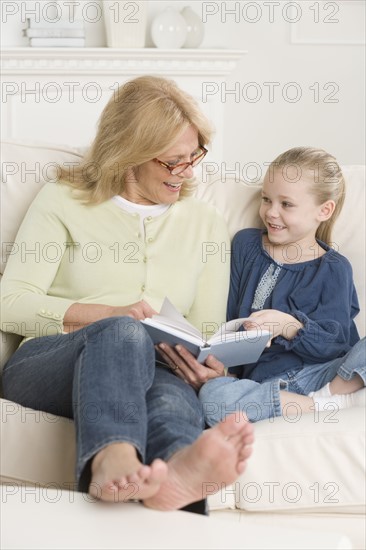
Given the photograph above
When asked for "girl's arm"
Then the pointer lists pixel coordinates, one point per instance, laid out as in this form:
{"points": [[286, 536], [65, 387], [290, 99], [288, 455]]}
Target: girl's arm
{"points": [[319, 325]]}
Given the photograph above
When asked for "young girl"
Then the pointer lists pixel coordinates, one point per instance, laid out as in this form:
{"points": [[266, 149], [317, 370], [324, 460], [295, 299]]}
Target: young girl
{"points": [[288, 279]]}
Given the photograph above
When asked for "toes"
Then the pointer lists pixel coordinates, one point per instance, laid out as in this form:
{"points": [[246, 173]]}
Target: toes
{"points": [[140, 476], [240, 467], [159, 471], [245, 452], [248, 439], [232, 425], [121, 482]]}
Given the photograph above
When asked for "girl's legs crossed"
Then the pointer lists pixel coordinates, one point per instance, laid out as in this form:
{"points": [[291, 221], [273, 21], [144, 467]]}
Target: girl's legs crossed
{"points": [[226, 395], [340, 382], [284, 397]]}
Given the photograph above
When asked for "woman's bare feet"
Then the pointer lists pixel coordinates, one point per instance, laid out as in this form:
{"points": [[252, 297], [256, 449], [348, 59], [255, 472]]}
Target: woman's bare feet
{"points": [[215, 459], [118, 475]]}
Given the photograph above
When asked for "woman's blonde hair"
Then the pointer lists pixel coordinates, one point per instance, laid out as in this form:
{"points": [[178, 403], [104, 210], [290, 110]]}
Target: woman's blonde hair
{"points": [[325, 175], [143, 118]]}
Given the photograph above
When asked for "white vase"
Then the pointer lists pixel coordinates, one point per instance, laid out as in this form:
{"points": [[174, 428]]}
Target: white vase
{"points": [[125, 23], [169, 29], [195, 29]]}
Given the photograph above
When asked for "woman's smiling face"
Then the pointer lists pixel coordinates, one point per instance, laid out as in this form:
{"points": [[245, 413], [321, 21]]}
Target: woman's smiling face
{"points": [[152, 183]]}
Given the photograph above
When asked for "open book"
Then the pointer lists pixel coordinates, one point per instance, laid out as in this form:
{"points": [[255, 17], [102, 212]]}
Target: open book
{"points": [[229, 344]]}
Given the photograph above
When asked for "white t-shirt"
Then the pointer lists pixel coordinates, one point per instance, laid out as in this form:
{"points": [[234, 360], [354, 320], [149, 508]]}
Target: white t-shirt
{"points": [[143, 210]]}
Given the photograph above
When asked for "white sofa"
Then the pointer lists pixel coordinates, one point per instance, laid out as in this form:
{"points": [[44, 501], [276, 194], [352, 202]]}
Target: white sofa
{"points": [[306, 472]]}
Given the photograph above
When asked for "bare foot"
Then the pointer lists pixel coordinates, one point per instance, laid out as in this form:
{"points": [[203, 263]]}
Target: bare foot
{"points": [[118, 475], [215, 459]]}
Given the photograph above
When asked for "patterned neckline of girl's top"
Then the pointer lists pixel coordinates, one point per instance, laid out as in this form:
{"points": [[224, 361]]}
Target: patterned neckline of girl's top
{"points": [[266, 285]]}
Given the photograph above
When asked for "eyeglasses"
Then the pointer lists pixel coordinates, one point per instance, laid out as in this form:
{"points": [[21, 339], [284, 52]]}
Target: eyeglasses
{"points": [[176, 169]]}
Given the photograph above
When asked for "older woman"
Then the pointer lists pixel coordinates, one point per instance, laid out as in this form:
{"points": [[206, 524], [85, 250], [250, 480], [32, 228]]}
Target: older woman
{"points": [[127, 235]]}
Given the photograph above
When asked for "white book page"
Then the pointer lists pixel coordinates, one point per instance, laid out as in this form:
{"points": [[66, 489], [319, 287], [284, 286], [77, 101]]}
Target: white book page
{"points": [[229, 328], [176, 331], [171, 317], [174, 323], [230, 331]]}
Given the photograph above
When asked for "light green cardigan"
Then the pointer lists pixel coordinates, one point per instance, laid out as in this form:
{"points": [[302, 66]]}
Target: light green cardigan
{"points": [[67, 252]]}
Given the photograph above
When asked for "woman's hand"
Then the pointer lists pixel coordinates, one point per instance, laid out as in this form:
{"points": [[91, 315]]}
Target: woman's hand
{"points": [[81, 315], [139, 310], [185, 366], [277, 322]]}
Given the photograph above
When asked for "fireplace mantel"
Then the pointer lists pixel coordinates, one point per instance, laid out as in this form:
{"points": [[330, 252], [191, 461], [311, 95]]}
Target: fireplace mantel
{"points": [[106, 61], [57, 94]]}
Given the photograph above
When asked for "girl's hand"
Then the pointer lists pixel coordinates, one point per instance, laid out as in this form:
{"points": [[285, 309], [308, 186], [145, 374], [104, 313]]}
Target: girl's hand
{"points": [[185, 366], [277, 322]]}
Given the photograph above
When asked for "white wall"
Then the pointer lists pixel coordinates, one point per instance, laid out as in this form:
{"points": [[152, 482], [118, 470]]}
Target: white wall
{"points": [[329, 76]]}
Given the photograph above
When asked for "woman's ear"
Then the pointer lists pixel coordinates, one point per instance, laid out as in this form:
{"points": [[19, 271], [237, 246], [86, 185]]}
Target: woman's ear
{"points": [[326, 210]]}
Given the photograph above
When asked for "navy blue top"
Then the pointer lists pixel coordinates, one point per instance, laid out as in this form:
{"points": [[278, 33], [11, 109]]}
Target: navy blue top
{"points": [[320, 293]]}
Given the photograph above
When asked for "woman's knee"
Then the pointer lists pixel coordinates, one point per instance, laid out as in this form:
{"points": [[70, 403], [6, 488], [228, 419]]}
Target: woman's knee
{"points": [[120, 331]]}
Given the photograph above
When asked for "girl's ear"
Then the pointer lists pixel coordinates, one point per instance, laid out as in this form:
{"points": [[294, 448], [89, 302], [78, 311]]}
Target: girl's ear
{"points": [[326, 210]]}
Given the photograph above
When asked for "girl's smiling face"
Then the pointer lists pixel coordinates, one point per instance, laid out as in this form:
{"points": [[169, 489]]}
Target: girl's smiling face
{"points": [[289, 210]]}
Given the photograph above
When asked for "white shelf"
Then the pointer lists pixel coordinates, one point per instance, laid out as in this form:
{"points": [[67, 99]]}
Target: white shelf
{"points": [[104, 61]]}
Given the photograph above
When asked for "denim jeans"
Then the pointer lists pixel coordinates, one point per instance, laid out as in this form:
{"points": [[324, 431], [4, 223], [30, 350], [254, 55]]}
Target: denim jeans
{"points": [[105, 377], [222, 396]]}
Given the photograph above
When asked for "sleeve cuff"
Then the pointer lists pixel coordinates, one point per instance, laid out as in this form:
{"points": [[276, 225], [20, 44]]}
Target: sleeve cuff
{"points": [[289, 344]]}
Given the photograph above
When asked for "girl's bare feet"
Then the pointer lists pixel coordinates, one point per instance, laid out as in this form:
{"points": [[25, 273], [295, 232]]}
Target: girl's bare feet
{"points": [[118, 475], [216, 458]]}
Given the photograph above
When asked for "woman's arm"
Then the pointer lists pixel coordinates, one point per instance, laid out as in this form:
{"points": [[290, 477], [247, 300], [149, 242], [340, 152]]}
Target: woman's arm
{"points": [[81, 315], [28, 306]]}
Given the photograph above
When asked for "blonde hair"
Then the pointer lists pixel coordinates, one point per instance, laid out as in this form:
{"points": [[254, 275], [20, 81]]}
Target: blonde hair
{"points": [[143, 118], [325, 176]]}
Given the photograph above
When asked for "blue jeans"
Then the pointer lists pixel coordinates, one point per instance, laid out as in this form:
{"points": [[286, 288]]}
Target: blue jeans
{"points": [[222, 396], [104, 377]]}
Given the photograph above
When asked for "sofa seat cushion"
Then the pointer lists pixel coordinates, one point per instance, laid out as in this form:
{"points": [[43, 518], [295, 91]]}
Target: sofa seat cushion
{"points": [[298, 463], [308, 462], [37, 448]]}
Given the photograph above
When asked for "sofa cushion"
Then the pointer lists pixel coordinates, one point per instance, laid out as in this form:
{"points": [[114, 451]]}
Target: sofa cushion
{"points": [[310, 462], [37, 448], [25, 168]]}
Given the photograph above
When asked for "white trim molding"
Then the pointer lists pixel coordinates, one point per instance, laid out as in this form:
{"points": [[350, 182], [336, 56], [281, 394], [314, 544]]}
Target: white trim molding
{"points": [[104, 61]]}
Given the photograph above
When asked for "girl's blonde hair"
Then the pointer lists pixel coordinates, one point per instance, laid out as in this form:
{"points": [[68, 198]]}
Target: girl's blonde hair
{"points": [[326, 178], [143, 118]]}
